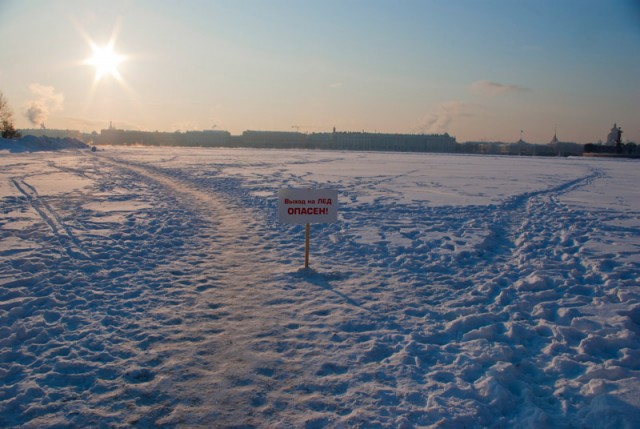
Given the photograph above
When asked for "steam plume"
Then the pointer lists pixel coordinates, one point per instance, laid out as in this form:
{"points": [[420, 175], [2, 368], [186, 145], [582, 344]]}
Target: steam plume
{"points": [[45, 100], [440, 120]]}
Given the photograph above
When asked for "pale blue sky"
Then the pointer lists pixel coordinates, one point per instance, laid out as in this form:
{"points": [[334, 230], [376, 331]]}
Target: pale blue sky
{"points": [[480, 70]]}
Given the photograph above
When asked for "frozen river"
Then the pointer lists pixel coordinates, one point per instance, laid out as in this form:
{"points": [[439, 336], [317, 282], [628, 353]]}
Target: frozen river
{"points": [[155, 287]]}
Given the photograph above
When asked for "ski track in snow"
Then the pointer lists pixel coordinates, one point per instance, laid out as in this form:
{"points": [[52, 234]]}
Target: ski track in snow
{"points": [[67, 240], [180, 303]]}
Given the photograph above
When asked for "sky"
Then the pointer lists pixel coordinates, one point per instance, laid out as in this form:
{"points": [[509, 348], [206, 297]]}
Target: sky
{"points": [[491, 70]]}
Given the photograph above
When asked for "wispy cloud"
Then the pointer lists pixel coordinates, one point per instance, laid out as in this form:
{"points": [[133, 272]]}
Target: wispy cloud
{"points": [[489, 88], [44, 100], [440, 119]]}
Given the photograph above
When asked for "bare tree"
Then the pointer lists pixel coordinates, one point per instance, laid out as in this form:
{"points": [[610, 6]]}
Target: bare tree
{"points": [[6, 120], [5, 113]]}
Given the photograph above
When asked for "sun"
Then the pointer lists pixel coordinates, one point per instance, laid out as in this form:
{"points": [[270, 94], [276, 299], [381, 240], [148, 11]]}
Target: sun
{"points": [[105, 60]]}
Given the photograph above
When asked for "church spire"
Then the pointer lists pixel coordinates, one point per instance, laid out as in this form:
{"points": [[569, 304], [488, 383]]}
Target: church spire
{"points": [[554, 140]]}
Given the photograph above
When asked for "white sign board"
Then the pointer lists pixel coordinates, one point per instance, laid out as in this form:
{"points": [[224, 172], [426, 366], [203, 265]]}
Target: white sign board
{"points": [[308, 205]]}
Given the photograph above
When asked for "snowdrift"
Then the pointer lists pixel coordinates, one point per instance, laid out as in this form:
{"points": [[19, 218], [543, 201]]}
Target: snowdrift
{"points": [[36, 144]]}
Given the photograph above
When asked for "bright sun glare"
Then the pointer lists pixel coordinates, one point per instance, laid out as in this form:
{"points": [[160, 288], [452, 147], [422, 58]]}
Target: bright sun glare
{"points": [[105, 60]]}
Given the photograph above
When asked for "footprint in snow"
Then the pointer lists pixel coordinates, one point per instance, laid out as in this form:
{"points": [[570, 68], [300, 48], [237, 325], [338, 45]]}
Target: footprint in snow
{"points": [[139, 375]]}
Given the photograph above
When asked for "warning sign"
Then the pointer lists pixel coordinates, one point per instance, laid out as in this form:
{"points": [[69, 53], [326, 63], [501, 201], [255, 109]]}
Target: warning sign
{"points": [[308, 205]]}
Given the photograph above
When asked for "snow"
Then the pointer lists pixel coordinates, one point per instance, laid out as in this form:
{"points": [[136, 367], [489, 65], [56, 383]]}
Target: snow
{"points": [[31, 143], [154, 287]]}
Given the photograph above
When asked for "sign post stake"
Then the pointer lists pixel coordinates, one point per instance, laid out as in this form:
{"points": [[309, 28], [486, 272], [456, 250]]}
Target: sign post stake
{"points": [[306, 246]]}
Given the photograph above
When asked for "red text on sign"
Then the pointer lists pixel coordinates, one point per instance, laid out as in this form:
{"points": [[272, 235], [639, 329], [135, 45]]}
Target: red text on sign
{"points": [[307, 211]]}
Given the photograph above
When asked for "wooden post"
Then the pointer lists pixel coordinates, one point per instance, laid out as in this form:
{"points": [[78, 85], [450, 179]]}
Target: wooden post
{"points": [[306, 247]]}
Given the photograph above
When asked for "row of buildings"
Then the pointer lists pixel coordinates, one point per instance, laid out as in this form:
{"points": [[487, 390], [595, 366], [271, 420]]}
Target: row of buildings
{"points": [[553, 148], [335, 140], [284, 140]]}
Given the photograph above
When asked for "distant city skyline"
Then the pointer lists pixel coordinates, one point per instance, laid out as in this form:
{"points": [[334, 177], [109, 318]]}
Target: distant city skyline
{"points": [[494, 70]]}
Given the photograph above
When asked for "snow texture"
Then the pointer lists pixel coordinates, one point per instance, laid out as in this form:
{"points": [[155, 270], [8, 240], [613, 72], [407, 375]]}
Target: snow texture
{"points": [[154, 287]]}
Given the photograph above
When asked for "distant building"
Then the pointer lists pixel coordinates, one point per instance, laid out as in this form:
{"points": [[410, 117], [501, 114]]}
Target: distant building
{"points": [[556, 147], [211, 138], [442, 143], [614, 138], [351, 141], [274, 139], [45, 132], [613, 146]]}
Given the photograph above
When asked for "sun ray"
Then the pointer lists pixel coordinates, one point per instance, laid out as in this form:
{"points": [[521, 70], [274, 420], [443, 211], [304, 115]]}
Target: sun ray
{"points": [[105, 60]]}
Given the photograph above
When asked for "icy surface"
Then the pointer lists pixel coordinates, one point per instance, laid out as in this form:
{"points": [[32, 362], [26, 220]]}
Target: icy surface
{"points": [[155, 287]]}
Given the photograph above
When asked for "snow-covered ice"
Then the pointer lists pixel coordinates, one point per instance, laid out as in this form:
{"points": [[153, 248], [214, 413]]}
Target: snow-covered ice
{"points": [[154, 287]]}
